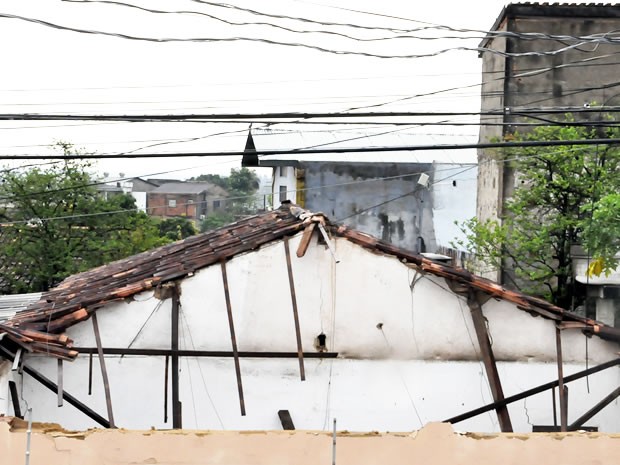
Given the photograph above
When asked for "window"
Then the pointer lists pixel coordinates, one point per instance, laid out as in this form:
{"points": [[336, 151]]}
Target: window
{"points": [[282, 171], [283, 190], [172, 203], [216, 205]]}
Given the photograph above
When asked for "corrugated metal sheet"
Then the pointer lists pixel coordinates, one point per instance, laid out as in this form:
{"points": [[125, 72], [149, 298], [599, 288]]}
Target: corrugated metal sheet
{"points": [[11, 304]]}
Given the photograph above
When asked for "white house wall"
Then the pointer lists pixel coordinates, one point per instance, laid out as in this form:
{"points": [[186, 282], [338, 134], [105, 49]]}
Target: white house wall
{"points": [[407, 351]]}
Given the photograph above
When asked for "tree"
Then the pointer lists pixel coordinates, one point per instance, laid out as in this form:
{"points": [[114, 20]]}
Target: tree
{"points": [[601, 234], [175, 229], [241, 185], [53, 223], [547, 212]]}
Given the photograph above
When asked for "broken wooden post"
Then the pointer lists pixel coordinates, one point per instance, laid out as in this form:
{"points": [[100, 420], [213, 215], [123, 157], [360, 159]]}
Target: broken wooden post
{"points": [[291, 281], [286, 420], [233, 338], [177, 422], [562, 392], [104, 372], [489, 360], [17, 411]]}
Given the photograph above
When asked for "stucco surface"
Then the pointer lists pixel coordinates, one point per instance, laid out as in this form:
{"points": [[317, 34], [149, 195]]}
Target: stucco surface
{"points": [[435, 444]]}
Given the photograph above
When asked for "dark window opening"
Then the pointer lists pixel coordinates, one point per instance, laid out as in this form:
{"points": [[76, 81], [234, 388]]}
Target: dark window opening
{"points": [[283, 190]]}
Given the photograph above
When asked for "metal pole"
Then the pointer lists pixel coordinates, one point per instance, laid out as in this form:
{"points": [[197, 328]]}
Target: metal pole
{"points": [[28, 435], [563, 403], [334, 444], [104, 371], [177, 421], [291, 281], [233, 338]]}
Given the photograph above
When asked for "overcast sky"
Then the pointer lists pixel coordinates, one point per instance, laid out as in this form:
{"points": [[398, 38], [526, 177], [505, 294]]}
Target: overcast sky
{"points": [[47, 70]]}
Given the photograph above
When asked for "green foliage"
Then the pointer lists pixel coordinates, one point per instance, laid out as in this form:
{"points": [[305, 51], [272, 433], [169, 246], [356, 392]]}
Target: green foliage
{"points": [[601, 234], [216, 220], [547, 211], [54, 224], [175, 229], [241, 185]]}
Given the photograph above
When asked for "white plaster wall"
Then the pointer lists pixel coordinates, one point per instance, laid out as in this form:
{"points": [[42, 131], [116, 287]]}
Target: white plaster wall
{"points": [[140, 198], [289, 180], [364, 395], [404, 340], [5, 398], [452, 203]]}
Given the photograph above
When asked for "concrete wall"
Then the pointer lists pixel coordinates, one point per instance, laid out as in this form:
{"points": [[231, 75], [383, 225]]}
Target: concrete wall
{"points": [[407, 349], [436, 443], [362, 198], [560, 80]]}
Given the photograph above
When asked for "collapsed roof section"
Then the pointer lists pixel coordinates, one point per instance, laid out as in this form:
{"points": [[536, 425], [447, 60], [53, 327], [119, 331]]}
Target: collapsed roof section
{"points": [[39, 328]]}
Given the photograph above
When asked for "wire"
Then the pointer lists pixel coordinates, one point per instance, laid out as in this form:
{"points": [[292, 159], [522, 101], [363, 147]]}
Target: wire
{"points": [[288, 44], [331, 150], [233, 23], [129, 210], [417, 189], [302, 115], [293, 190]]}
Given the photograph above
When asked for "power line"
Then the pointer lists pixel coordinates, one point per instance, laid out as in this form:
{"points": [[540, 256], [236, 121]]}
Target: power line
{"points": [[291, 44], [243, 197], [332, 150], [202, 117], [325, 186]]}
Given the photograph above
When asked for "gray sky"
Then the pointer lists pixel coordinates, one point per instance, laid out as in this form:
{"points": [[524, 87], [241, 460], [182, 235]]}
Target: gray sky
{"points": [[46, 70]]}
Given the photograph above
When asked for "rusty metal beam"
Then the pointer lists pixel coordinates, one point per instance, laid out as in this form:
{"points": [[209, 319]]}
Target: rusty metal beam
{"points": [[60, 379], [104, 371], [561, 390], [201, 353], [233, 338], [177, 419], [486, 352], [291, 282], [166, 369], [531, 392], [608, 399], [36, 375], [90, 373]]}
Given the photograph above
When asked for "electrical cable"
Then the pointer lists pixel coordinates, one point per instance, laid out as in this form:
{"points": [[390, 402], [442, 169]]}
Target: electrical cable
{"points": [[287, 44], [472, 166], [332, 150]]}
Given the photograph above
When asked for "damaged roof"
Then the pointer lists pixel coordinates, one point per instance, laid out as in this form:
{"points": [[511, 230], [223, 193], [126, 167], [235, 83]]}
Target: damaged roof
{"points": [[39, 327]]}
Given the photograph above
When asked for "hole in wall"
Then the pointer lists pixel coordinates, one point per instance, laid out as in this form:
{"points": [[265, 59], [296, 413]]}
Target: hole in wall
{"points": [[320, 343]]}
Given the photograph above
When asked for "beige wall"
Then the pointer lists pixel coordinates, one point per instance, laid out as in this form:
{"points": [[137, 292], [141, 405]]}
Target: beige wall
{"points": [[436, 444]]}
